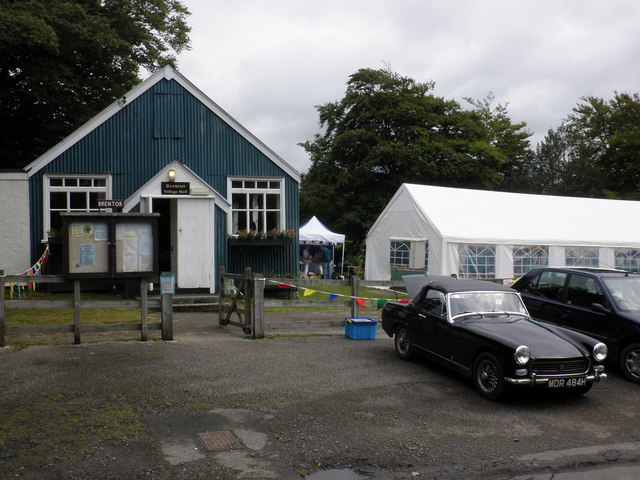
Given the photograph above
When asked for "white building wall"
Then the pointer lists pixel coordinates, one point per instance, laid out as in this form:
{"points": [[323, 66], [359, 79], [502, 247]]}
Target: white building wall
{"points": [[15, 238]]}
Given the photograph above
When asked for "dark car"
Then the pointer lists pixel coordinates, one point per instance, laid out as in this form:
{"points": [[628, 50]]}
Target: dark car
{"points": [[604, 304], [483, 330]]}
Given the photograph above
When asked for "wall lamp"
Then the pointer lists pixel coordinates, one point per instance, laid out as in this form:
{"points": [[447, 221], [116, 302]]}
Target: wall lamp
{"points": [[172, 175]]}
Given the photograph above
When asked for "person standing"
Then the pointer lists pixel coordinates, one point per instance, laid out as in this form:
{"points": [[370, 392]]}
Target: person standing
{"points": [[306, 259], [327, 260]]}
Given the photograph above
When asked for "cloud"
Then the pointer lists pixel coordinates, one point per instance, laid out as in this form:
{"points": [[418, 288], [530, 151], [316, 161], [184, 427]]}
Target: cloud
{"points": [[268, 64]]}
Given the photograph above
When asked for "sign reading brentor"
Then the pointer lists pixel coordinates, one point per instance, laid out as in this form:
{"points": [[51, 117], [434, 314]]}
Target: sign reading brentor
{"points": [[110, 203], [176, 188]]}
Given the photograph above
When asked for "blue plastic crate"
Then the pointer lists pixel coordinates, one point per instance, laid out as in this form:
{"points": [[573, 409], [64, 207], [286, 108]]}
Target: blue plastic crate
{"points": [[360, 328]]}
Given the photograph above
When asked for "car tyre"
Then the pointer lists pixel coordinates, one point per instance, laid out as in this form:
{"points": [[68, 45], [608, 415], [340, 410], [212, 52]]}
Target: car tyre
{"points": [[403, 344], [630, 362], [487, 377]]}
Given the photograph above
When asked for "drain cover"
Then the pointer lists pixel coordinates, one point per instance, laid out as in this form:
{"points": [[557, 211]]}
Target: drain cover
{"points": [[215, 441]]}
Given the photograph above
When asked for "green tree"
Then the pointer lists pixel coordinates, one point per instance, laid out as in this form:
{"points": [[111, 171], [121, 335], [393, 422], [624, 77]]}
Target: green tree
{"points": [[388, 130], [62, 61], [603, 139], [511, 141]]}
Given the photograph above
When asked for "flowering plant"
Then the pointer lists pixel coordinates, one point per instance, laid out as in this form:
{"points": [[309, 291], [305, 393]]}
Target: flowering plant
{"points": [[271, 234]]}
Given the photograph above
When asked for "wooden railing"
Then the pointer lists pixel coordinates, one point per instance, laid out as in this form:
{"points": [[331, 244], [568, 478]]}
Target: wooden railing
{"points": [[77, 328]]}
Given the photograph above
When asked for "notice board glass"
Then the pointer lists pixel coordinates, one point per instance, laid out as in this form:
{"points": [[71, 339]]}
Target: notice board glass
{"points": [[110, 245]]}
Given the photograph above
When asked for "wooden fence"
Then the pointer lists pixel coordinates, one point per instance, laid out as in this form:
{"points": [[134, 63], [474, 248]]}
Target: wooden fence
{"points": [[77, 328], [250, 311]]}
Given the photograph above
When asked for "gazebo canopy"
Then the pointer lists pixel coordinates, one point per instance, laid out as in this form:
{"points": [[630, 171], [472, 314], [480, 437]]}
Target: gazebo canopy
{"points": [[314, 232]]}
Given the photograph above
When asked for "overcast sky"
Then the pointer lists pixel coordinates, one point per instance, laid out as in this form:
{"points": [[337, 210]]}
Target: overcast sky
{"points": [[268, 63]]}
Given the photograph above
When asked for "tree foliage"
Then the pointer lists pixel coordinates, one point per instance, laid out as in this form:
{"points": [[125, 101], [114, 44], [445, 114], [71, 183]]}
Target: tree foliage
{"points": [[388, 130], [62, 61], [596, 150]]}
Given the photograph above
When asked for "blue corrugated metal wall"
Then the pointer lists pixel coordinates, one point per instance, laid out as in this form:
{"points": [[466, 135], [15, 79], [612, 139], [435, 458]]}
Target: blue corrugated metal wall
{"points": [[138, 141]]}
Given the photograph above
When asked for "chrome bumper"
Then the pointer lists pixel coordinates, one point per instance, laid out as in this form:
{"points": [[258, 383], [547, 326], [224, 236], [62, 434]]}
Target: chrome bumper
{"points": [[544, 379]]}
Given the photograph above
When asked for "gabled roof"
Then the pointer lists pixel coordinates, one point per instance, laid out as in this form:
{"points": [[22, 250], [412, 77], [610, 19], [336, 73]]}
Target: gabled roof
{"points": [[482, 216], [164, 73]]}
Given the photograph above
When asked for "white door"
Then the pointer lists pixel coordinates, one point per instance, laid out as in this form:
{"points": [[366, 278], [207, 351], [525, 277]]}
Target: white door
{"points": [[195, 243]]}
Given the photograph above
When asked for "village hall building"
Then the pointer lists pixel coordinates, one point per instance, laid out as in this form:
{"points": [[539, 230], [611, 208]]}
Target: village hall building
{"points": [[498, 235], [164, 147]]}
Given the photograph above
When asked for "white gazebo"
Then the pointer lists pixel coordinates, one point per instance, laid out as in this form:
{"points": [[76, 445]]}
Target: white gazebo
{"points": [[314, 232]]}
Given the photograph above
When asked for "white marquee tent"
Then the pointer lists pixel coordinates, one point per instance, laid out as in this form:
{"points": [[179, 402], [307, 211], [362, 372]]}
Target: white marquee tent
{"points": [[314, 232], [477, 233]]}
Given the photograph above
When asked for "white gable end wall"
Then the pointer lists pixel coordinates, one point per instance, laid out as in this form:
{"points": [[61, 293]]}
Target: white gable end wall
{"points": [[15, 255]]}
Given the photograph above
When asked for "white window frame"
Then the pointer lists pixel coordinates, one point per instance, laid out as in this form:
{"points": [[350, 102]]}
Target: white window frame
{"points": [[48, 189], [529, 259], [469, 256], [263, 211], [402, 246], [582, 257], [630, 259]]}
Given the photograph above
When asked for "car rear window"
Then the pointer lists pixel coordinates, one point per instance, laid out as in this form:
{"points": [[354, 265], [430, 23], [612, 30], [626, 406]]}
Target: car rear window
{"points": [[547, 284]]}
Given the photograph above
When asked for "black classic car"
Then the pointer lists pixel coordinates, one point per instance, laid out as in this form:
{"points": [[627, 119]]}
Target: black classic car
{"points": [[601, 303], [483, 330]]}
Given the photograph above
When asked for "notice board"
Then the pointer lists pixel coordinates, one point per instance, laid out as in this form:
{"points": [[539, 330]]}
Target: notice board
{"points": [[110, 245]]}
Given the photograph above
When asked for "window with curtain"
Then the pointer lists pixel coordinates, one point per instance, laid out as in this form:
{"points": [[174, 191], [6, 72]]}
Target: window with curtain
{"points": [[256, 205]]}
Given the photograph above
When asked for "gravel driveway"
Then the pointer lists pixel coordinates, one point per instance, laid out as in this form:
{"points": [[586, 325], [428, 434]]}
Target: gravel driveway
{"points": [[215, 404]]}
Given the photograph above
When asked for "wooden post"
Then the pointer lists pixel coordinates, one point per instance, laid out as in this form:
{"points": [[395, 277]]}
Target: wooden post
{"points": [[355, 288], [221, 295], [166, 309], [76, 312], [2, 309], [144, 307], [258, 308], [248, 296]]}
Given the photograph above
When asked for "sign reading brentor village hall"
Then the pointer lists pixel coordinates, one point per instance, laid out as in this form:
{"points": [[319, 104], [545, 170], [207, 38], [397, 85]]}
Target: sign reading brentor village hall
{"points": [[176, 188]]}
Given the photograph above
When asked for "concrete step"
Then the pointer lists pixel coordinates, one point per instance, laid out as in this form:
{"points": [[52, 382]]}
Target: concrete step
{"points": [[195, 302]]}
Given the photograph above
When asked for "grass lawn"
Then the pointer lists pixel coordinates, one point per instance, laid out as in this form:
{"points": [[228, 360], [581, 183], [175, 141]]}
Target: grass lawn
{"points": [[64, 316]]}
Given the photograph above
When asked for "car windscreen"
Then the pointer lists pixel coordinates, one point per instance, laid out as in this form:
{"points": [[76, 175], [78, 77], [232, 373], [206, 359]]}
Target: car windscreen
{"points": [[485, 303], [624, 291]]}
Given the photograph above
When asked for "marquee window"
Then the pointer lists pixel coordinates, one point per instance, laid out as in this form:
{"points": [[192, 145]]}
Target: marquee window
{"points": [[426, 256], [477, 261], [72, 193], [527, 258], [582, 257], [628, 259], [256, 205], [399, 254]]}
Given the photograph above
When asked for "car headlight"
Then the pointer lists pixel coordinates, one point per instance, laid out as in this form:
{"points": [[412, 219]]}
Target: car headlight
{"points": [[522, 355], [600, 352]]}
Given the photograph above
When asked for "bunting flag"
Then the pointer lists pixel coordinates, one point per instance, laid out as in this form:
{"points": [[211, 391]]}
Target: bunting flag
{"points": [[380, 302], [35, 269]]}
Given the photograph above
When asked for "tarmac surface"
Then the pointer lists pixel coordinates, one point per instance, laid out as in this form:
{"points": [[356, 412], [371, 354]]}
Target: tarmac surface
{"points": [[307, 402]]}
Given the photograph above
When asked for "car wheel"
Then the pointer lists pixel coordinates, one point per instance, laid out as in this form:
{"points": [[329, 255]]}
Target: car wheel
{"points": [[487, 376], [630, 362], [404, 347]]}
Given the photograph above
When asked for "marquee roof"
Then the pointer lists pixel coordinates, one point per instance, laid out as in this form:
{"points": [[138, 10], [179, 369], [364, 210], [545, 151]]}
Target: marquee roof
{"points": [[462, 215]]}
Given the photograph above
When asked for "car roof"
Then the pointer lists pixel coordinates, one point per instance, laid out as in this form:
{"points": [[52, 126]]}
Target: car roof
{"points": [[415, 283], [590, 270]]}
